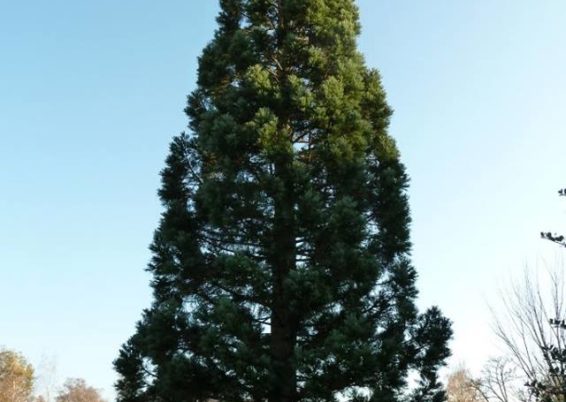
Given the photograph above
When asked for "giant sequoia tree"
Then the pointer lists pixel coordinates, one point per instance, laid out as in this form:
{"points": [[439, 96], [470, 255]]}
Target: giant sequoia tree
{"points": [[280, 267]]}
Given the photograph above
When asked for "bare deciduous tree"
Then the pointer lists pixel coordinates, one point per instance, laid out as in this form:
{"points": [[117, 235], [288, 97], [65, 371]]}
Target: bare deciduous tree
{"points": [[77, 390], [46, 379], [532, 329], [498, 380]]}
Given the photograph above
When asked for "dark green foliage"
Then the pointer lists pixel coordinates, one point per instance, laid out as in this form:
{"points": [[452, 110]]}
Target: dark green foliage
{"points": [[551, 387], [280, 268], [558, 239]]}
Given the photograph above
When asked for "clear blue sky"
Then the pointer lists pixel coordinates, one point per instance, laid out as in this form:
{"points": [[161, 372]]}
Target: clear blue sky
{"points": [[92, 92]]}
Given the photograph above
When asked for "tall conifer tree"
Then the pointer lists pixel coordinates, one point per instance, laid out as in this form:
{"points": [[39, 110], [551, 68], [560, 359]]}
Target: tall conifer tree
{"points": [[280, 266]]}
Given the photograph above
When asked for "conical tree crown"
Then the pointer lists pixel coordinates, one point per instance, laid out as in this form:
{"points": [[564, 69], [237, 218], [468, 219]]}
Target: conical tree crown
{"points": [[280, 266]]}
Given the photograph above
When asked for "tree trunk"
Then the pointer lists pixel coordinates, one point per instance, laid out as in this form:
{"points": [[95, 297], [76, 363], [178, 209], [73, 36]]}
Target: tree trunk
{"points": [[283, 320]]}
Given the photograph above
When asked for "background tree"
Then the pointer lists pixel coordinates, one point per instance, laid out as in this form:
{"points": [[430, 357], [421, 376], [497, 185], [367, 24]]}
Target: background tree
{"points": [[281, 266], [46, 379], [16, 377], [497, 382], [77, 390], [556, 238], [462, 387], [532, 330]]}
